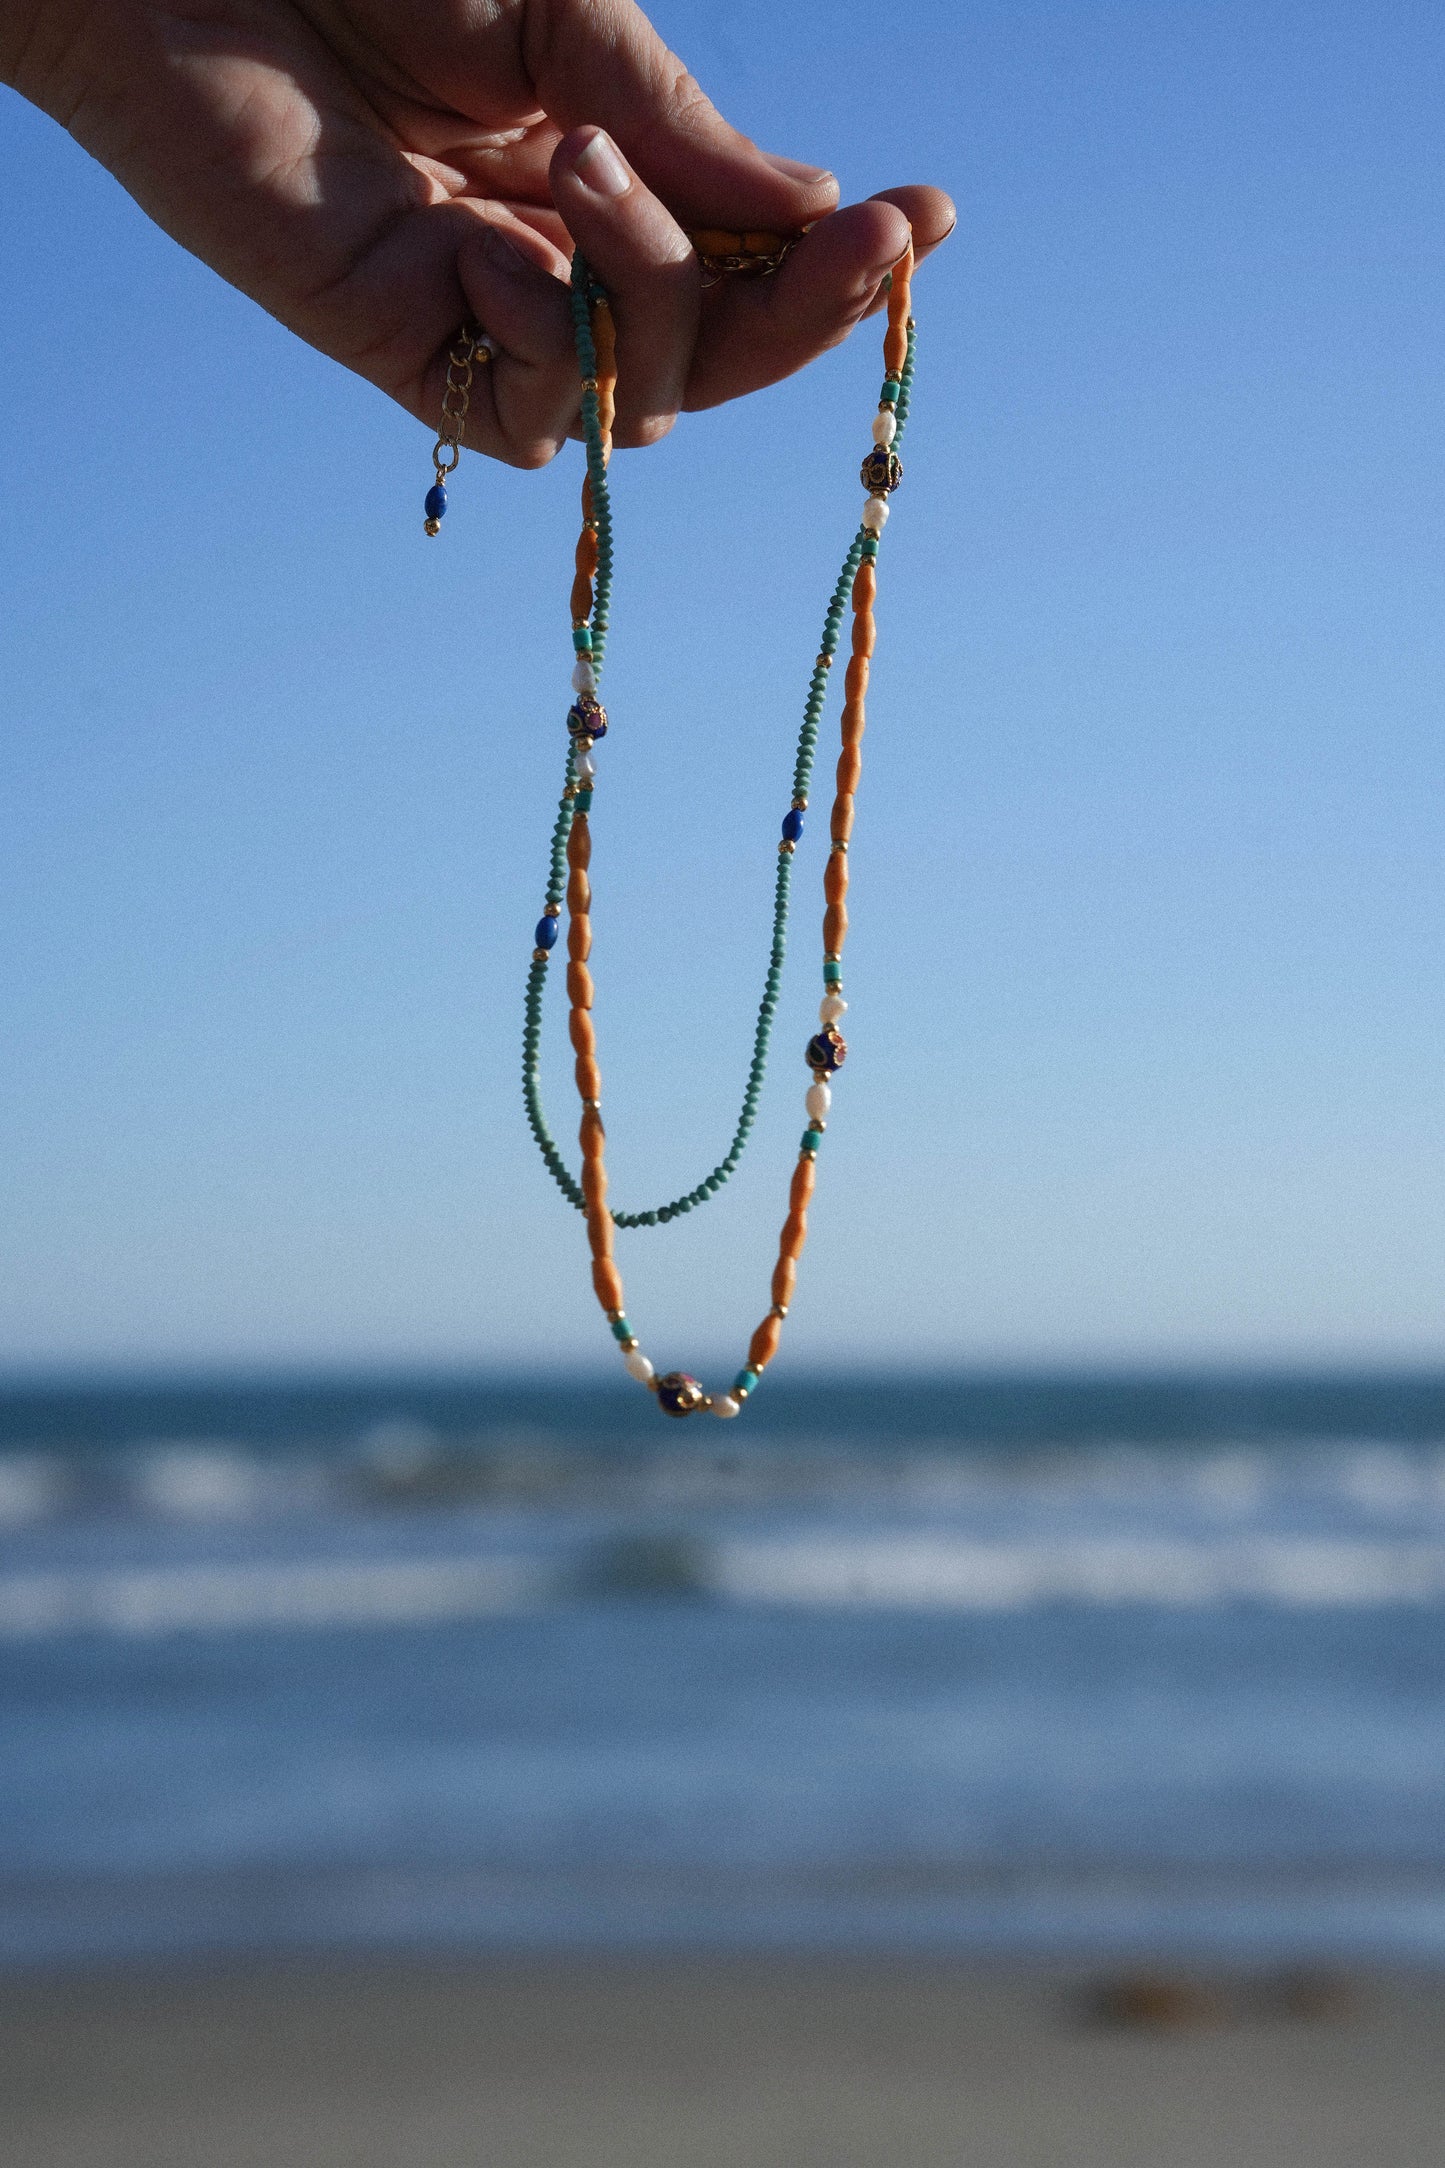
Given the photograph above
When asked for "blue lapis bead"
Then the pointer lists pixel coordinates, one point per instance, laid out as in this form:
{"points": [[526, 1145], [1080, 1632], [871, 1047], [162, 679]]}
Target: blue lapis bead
{"points": [[436, 501], [792, 824], [546, 933]]}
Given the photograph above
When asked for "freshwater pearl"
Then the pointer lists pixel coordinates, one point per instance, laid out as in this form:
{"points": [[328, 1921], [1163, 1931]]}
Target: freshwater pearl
{"points": [[875, 515], [585, 768], [638, 1365], [584, 677], [818, 1100], [885, 429], [831, 1008], [723, 1404]]}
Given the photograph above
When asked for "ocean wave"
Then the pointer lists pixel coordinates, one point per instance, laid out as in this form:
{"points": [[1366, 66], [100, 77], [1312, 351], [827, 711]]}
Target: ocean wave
{"points": [[932, 1572]]}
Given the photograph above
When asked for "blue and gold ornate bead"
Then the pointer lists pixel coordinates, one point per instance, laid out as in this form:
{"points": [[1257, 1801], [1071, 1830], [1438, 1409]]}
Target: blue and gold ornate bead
{"points": [[882, 471], [679, 1394], [587, 718], [827, 1050]]}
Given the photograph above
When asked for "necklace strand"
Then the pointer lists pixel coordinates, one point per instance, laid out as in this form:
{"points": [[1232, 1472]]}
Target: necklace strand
{"points": [[678, 1393]]}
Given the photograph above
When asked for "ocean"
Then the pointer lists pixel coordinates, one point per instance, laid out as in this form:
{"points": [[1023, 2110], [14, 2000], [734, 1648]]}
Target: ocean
{"points": [[1040, 1667]]}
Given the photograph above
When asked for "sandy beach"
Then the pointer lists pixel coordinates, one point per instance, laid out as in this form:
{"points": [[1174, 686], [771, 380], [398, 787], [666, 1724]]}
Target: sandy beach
{"points": [[753, 2064]]}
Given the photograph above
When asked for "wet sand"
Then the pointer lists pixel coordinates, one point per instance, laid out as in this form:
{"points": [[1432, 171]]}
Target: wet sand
{"points": [[752, 2064]]}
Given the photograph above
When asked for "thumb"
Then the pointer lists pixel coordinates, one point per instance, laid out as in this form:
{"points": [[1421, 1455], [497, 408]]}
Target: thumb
{"points": [[602, 61]]}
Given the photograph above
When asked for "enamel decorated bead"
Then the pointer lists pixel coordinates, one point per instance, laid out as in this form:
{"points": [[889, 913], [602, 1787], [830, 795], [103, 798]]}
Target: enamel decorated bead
{"points": [[587, 718], [679, 1394]]}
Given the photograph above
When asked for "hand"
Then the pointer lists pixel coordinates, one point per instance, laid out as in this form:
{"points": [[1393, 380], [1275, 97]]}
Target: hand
{"points": [[375, 171]]}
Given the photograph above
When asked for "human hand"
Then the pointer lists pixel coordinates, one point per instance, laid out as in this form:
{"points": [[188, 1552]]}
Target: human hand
{"points": [[374, 171]]}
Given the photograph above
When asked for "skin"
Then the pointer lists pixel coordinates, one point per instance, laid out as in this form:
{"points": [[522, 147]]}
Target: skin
{"points": [[375, 171]]}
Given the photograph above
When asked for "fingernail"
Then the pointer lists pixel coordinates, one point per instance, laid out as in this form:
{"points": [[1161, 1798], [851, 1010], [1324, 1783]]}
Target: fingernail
{"points": [[599, 168], [797, 171], [504, 255]]}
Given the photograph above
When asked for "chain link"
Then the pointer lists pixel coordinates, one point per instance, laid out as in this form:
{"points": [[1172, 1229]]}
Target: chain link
{"points": [[472, 349]]}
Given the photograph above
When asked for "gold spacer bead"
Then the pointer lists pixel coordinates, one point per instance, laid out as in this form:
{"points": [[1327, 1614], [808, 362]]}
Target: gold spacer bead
{"points": [[541, 956], [553, 910], [779, 1309], [433, 526], [627, 1346], [589, 383], [800, 805], [653, 1383], [785, 850]]}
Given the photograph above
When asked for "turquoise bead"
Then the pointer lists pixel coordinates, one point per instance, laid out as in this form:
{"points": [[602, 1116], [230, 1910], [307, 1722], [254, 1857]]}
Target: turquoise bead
{"points": [[583, 801], [621, 1330], [832, 973], [582, 639], [745, 1381]]}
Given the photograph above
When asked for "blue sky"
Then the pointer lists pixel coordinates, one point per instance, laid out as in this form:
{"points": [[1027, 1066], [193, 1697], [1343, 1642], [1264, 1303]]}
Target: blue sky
{"points": [[1146, 971]]}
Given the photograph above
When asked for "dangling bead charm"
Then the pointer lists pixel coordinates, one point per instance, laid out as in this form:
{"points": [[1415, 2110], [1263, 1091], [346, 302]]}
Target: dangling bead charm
{"points": [[436, 504]]}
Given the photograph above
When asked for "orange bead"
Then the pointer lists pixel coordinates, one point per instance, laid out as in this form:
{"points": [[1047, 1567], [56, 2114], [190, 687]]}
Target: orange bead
{"points": [[855, 678], [579, 986], [582, 1031], [785, 1279], [865, 633], [835, 927], [840, 828], [607, 1283], [835, 882], [792, 1238], [800, 1189], [716, 241], [586, 497], [764, 1343], [852, 722], [579, 894], [899, 288], [579, 841], [581, 600], [762, 244], [579, 939], [599, 1224], [865, 586], [594, 1182], [850, 768], [589, 1077], [587, 552], [895, 351]]}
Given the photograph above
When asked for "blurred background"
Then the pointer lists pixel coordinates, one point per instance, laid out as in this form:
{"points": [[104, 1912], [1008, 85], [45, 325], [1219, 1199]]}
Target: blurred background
{"points": [[1072, 1592]]}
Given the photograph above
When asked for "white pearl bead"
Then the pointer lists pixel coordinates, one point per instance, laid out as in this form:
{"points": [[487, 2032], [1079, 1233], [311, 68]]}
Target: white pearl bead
{"points": [[584, 677], [818, 1101], [875, 515], [885, 429], [831, 1008], [584, 767], [723, 1404], [638, 1365]]}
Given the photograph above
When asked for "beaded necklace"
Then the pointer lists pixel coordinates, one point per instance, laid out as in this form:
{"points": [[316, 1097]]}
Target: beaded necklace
{"points": [[678, 1393]]}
